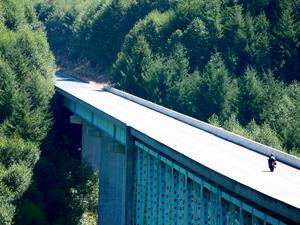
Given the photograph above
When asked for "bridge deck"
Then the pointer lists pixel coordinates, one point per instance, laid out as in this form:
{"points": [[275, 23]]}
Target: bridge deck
{"points": [[234, 161]]}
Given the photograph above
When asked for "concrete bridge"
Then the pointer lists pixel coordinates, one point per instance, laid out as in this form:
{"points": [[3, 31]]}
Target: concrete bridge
{"points": [[158, 166]]}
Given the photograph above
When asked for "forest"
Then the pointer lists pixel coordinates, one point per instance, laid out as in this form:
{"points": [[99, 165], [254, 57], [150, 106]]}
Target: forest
{"points": [[232, 63], [41, 179]]}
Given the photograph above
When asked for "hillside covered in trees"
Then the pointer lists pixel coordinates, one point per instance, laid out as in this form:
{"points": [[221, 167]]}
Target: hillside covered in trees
{"points": [[233, 63], [41, 179], [26, 86]]}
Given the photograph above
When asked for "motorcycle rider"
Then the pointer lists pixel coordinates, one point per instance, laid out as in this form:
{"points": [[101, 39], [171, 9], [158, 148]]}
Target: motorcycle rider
{"points": [[272, 162]]}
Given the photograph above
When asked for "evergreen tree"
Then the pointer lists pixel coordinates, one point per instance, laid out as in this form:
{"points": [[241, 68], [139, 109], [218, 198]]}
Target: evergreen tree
{"points": [[250, 98], [274, 93], [129, 67], [17, 159], [12, 13], [286, 45], [162, 75], [8, 90], [287, 117], [217, 91], [258, 42], [234, 38], [188, 94], [197, 40]]}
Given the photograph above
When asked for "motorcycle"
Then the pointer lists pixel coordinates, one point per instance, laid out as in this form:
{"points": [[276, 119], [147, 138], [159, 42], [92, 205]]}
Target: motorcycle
{"points": [[272, 164]]}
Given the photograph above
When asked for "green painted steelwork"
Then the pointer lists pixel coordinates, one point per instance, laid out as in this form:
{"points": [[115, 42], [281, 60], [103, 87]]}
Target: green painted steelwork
{"points": [[167, 193], [115, 130]]}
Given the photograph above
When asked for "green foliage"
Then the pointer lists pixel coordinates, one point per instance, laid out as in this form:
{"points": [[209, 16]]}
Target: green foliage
{"points": [[117, 18], [188, 94], [162, 76], [230, 62], [63, 191], [30, 124], [274, 92], [222, 61], [258, 42], [262, 134], [234, 39], [26, 86], [250, 97], [8, 88], [6, 212], [197, 40], [31, 214], [16, 163], [130, 66], [27, 53], [12, 13], [286, 46], [293, 140], [15, 14], [17, 179], [95, 23], [217, 91], [14, 150]]}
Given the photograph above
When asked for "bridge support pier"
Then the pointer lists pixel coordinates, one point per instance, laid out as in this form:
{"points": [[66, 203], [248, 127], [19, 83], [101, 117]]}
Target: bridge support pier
{"points": [[91, 146], [111, 159]]}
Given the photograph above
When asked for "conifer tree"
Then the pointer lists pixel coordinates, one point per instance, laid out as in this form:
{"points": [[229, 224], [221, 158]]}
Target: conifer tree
{"points": [[162, 76], [286, 45], [250, 97], [217, 91], [197, 40], [258, 42], [234, 38], [129, 67], [8, 89]]}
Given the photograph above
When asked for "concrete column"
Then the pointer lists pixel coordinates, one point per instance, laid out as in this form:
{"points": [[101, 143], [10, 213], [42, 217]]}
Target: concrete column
{"points": [[111, 185], [115, 165], [91, 146]]}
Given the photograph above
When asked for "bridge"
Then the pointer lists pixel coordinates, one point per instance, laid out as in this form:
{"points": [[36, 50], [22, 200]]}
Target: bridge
{"points": [[157, 166]]}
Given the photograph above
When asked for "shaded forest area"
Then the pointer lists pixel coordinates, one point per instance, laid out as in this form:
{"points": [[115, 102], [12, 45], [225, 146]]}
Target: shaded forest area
{"points": [[26, 87], [41, 179], [232, 63]]}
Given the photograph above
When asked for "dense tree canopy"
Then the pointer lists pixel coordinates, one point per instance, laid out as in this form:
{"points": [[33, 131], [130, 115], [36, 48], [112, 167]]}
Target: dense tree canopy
{"points": [[26, 86], [27, 196]]}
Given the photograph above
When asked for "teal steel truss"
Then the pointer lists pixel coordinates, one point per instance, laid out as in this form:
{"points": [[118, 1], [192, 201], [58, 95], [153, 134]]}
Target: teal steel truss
{"points": [[166, 193]]}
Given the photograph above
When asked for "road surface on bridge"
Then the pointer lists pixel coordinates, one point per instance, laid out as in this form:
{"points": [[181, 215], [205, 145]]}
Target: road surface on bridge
{"points": [[231, 160]]}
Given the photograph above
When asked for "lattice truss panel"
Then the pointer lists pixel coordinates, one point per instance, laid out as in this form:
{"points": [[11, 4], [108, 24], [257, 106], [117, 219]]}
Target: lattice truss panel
{"points": [[165, 193]]}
